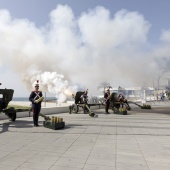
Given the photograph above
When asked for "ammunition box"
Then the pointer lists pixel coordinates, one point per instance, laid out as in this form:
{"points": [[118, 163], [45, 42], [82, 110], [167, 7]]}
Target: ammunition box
{"points": [[124, 112], [54, 125], [146, 107]]}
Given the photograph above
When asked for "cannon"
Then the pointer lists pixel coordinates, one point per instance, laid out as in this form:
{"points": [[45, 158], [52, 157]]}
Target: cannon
{"points": [[118, 106], [122, 106], [6, 96], [79, 103]]}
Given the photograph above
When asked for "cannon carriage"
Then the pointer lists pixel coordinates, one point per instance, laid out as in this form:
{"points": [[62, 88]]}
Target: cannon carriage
{"points": [[6, 96], [118, 106], [79, 103], [121, 106]]}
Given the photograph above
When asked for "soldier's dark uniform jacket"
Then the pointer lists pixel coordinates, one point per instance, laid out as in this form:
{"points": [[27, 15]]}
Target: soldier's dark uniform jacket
{"points": [[106, 96], [85, 98], [36, 107], [107, 101], [35, 96]]}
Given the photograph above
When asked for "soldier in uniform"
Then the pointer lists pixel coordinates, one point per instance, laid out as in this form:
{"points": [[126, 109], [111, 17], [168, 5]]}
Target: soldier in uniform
{"points": [[122, 99], [85, 97], [36, 98], [107, 100]]}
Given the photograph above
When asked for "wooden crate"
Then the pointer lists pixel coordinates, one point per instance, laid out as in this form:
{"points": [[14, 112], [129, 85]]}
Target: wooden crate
{"points": [[120, 112], [54, 125]]}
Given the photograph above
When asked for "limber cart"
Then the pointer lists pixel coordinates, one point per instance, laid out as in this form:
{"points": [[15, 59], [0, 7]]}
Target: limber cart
{"points": [[74, 108]]}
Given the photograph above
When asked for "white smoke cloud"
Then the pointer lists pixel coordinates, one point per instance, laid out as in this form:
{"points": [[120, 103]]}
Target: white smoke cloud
{"points": [[165, 37], [49, 82], [87, 50], [103, 32]]}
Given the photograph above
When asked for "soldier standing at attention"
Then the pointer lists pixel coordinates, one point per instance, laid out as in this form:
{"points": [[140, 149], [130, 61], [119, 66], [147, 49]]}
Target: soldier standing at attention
{"points": [[107, 100], [36, 98]]}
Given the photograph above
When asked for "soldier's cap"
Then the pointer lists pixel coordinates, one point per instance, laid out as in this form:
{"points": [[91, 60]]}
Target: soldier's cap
{"points": [[37, 85]]}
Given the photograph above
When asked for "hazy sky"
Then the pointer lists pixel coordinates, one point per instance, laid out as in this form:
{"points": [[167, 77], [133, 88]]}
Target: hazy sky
{"points": [[37, 11], [78, 19]]}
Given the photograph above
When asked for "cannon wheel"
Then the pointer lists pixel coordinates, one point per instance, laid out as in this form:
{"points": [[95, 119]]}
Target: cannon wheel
{"points": [[70, 109], [12, 114], [75, 108]]}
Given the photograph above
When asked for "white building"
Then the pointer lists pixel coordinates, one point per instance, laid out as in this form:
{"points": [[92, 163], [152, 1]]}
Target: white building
{"points": [[136, 93]]}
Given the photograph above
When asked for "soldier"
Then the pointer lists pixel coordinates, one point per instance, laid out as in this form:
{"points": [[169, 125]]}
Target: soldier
{"points": [[36, 98], [85, 97], [107, 100], [122, 99]]}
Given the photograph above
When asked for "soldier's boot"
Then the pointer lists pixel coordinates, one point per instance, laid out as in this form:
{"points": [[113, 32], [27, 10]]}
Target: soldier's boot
{"points": [[34, 120], [37, 121]]}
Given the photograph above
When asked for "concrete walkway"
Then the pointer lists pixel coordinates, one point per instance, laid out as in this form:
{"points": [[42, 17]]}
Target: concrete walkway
{"points": [[137, 141]]}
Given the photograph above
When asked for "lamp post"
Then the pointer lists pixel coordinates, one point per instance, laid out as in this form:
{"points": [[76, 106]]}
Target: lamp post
{"points": [[159, 76]]}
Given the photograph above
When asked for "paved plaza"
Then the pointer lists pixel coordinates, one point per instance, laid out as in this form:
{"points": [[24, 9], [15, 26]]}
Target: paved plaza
{"points": [[137, 141]]}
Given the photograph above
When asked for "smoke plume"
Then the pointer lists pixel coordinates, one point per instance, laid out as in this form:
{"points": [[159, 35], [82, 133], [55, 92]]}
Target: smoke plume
{"points": [[71, 52]]}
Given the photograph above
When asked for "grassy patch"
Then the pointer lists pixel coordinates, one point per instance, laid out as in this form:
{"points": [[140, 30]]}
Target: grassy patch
{"points": [[18, 107]]}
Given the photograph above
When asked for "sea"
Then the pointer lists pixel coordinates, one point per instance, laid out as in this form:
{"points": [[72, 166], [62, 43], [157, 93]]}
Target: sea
{"points": [[27, 99]]}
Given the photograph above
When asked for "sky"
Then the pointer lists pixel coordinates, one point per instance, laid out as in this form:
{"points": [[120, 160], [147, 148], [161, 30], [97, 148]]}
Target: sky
{"points": [[77, 44]]}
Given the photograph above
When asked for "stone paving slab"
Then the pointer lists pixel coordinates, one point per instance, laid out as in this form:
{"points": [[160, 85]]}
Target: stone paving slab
{"points": [[137, 141]]}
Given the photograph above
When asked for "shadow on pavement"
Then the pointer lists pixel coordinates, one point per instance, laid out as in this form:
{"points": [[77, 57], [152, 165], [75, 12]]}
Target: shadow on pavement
{"points": [[16, 124]]}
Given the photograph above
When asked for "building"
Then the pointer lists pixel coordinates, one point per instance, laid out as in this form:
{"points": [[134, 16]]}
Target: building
{"points": [[136, 93]]}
